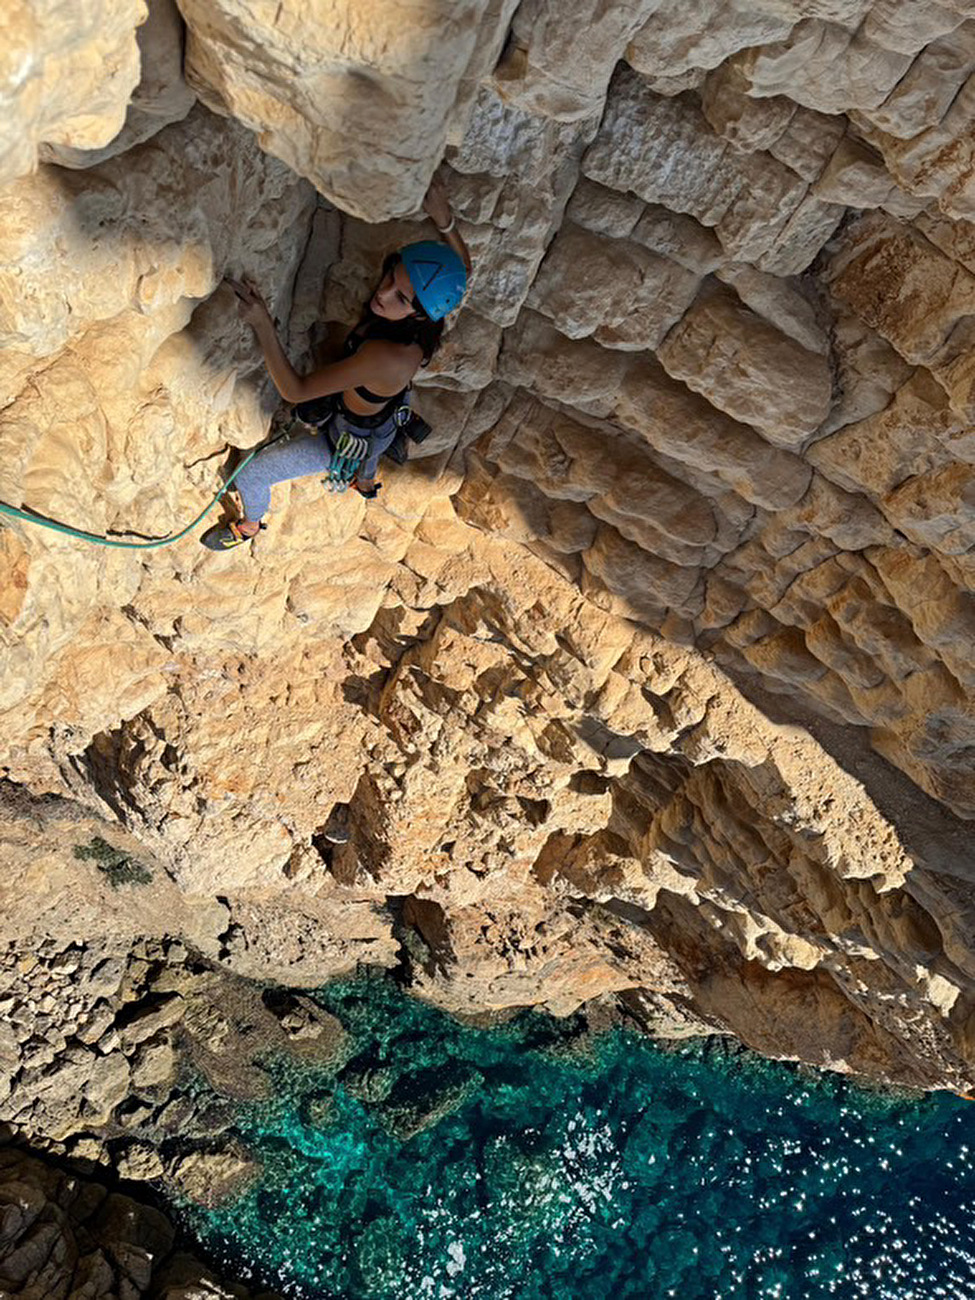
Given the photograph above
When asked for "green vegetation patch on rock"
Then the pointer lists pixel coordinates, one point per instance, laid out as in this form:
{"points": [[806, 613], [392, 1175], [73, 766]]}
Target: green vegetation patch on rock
{"points": [[120, 867]]}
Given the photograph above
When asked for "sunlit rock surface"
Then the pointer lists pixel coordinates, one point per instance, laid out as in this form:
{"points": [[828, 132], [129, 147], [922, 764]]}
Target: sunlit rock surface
{"points": [[651, 672], [66, 76]]}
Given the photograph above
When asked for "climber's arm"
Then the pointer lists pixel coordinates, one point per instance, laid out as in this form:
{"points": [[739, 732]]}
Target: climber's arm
{"points": [[437, 207], [378, 364], [335, 377]]}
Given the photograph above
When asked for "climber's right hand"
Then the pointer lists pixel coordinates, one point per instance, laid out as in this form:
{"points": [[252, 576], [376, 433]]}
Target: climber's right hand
{"points": [[251, 307]]}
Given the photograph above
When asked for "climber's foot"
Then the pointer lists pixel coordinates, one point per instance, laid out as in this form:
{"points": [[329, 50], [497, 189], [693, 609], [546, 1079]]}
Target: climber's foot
{"points": [[224, 537]]}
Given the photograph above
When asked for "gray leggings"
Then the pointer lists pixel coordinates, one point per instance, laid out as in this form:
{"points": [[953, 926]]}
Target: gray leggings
{"points": [[294, 457]]}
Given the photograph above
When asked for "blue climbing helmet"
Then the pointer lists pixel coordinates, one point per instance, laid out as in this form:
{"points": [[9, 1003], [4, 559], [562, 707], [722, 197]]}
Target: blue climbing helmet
{"points": [[438, 276]]}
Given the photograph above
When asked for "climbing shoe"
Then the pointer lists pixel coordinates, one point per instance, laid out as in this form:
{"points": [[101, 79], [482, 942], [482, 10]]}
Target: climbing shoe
{"points": [[224, 537], [368, 493]]}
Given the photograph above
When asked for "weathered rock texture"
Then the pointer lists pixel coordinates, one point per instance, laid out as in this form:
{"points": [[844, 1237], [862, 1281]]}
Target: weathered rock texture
{"points": [[67, 73], [651, 675], [66, 1236]]}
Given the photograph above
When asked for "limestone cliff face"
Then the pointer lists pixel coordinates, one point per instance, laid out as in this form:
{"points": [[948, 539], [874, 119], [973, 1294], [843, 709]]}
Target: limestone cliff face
{"points": [[650, 676]]}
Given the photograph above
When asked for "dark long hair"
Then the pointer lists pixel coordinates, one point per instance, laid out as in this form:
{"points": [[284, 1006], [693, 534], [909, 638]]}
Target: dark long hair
{"points": [[418, 328]]}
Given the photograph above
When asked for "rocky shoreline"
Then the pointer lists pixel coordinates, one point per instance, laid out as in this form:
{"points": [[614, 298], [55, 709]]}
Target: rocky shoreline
{"points": [[64, 1234], [136, 1058], [129, 1067]]}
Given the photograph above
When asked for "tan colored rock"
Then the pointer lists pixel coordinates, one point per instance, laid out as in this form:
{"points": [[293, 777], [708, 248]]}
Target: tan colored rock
{"points": [[604, 211], [320, 87], [578, 372], [855, 175], [621, 481], [107, 1084], [386, 844], [803, 236], [825, 67], [909, 27], [563, 957], [808, 142], [869, 370], [680, 238], [112, 243], [746, 367], [935, 510], [133, 379], [620, 293], [906, 439], [558, 69], [213, 1178], [845, 518], [902, 286], [661, 84], [748, 198], [108, 669], [745, 122], [641, 492], [538, 159], [940, 613], [682, 425], [67, 77], [566, 459], [956, 238], [493, 30], [781, 301], [468, 356], [312, 934], [161, 97], [923, 96], [701, 34], [861, 605], [935, 163], [139, 1162], [794, 1005], [527, 150], [645, 582], [154, 1066]]}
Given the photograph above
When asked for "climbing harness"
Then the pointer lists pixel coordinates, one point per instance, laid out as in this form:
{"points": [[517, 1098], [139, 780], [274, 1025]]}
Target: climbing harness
{"points": [[99, 540]]}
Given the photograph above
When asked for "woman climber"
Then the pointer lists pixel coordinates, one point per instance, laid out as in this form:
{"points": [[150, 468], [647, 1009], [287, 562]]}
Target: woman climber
{"points": [[359, 401]]}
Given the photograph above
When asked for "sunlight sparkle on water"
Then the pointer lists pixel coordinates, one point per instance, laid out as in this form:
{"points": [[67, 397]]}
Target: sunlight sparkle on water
{"points": [[618, 1171]]}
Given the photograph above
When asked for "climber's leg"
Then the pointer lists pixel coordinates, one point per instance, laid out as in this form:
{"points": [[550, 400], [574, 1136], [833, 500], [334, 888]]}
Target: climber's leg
{"points": [[296, 457]]}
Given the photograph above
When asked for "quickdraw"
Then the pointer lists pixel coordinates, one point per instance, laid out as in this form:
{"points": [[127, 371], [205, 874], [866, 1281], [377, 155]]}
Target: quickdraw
{"points": [[348, 453]]}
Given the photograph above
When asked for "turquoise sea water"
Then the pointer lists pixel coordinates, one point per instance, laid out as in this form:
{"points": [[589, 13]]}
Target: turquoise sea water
{"points": [[572, 1169]]}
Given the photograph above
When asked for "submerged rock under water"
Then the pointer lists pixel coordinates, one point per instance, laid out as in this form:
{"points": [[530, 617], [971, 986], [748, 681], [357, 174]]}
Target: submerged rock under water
{"points": [[533, 1160]]}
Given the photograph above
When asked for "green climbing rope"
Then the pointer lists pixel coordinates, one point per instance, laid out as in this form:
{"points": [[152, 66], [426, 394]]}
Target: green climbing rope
{"points": [[99, 540]]}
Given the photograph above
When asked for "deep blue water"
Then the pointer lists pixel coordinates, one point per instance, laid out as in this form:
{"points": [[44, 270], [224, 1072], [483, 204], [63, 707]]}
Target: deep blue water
{"points": [[579, 1169]]}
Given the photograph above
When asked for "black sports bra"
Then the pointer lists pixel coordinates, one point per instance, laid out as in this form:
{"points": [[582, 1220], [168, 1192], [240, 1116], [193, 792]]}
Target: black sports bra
{"points": [[370, 396], [352, 344]]}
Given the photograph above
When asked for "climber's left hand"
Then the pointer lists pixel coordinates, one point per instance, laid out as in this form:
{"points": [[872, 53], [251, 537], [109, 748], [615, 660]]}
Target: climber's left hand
{"points": [[436, 204]]}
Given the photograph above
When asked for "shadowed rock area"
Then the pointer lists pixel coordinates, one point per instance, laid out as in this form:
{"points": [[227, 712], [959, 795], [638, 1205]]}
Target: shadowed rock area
{"points": [[64, 1235]]}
